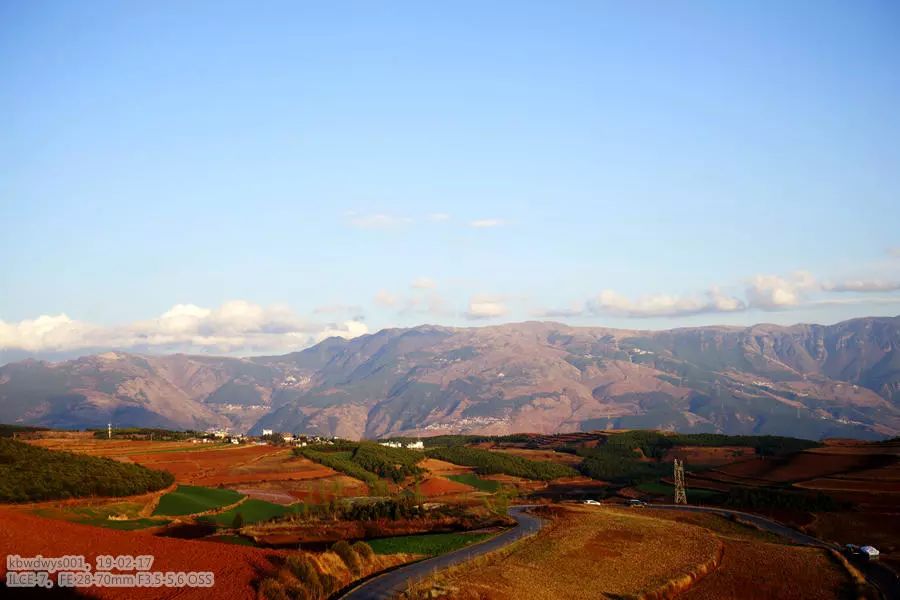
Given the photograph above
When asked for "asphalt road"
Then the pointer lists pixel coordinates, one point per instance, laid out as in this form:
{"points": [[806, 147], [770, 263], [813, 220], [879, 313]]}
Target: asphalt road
{"points": [[761, 522], [393, 582]]}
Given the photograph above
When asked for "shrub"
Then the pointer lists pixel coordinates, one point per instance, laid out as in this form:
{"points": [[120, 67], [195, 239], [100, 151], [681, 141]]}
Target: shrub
{"points": [[305, 570], [330, 584], [350, 558], [272, 589], [238, 521], [364, 551]]}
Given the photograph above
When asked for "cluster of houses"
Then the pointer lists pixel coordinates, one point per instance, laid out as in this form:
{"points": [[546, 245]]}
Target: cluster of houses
{"points": [[417, 445], [270, 436]]}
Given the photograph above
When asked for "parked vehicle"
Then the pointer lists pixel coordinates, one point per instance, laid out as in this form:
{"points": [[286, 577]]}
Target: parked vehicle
{"points": [[593, 502]]}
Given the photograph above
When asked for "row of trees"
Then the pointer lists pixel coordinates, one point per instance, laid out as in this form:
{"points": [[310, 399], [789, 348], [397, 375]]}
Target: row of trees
{"points": [[395, 464], [487, 462], [29, 473], [339, 461], [366, 461]]}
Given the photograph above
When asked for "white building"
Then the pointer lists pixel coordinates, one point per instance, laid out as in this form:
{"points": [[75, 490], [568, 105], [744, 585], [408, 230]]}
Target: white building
{"points": [[267, 432], [417, 445]]}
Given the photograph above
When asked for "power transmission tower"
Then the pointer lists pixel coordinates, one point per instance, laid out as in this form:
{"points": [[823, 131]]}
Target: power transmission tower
{"points": [[680, 494]]}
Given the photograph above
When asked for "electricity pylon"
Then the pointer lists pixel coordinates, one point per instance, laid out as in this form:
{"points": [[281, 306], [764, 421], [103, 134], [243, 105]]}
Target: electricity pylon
{"points": [[680, 494]]}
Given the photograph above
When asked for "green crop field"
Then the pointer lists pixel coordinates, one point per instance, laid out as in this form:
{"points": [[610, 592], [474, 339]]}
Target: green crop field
{"points": [[485, 485], [191, 499], [251, 511], [431, 544]]}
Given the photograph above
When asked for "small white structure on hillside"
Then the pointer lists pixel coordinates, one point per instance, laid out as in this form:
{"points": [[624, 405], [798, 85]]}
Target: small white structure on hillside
{"points": [[267, 432], [416, 445]]}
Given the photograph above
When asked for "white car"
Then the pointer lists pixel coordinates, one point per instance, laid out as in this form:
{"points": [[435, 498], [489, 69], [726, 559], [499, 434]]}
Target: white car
{"points": [[593, 502]]}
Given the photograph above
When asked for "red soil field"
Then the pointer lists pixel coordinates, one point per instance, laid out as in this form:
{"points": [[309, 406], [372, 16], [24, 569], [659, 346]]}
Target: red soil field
{"points": [[246, 464], [761, 570], [236, 568], [440, 467], [705, 455], [438, 486], [542, 455], [798, 467]]}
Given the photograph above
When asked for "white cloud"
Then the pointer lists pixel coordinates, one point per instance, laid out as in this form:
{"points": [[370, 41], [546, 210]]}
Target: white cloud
{"points": [[772, 292], [376, 221], [863, 285], [486, 307], [347, 330], [438, 217], [235, 327], [486, 223], [423, 283], [576, 310], [894, 252], [664, 305], [45, 333], [386, 299]]}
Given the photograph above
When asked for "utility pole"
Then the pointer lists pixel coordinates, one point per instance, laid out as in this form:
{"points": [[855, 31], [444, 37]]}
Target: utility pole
{"points": [[680, 494]]}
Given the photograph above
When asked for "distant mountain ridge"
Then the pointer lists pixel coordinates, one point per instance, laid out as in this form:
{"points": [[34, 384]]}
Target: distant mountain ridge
{"points": [[803, 380]]}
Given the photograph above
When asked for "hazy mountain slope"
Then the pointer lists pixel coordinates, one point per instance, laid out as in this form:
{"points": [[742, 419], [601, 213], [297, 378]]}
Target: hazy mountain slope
{"points": [[805, 380]]}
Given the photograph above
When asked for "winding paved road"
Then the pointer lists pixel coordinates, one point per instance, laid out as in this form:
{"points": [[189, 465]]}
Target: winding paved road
{"points": [[761, 522], [393, 582]]}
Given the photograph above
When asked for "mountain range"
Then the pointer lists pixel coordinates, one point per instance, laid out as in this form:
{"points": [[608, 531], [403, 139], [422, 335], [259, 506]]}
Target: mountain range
{"points": [[809, 381]]}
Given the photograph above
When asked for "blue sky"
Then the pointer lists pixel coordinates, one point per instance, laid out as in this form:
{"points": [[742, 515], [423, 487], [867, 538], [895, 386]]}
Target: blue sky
{"points": [[228, 177]]}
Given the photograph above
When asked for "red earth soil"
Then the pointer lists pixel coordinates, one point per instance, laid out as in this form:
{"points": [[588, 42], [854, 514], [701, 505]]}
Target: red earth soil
{"points": [[438, 486], [236, 568], [242, 465]]}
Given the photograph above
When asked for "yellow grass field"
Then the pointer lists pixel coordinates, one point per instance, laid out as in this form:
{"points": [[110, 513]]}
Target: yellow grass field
{"points": [[751, 569], [586, 552]]}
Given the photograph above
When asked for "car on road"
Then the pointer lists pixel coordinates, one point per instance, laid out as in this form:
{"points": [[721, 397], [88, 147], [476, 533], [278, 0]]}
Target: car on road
{"points": [[593, 502], [634, 503]]}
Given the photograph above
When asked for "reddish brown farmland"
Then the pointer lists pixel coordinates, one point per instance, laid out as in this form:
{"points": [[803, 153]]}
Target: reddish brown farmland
{"points": [[235, 567]]}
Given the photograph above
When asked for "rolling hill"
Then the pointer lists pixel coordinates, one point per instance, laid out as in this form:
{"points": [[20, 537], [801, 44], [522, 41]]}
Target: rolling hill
{"points": [[805, 380]]}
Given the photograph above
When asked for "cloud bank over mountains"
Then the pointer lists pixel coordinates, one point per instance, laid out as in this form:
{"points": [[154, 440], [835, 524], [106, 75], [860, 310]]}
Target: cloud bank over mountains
{"points": [[243, 327], [236, 326]]}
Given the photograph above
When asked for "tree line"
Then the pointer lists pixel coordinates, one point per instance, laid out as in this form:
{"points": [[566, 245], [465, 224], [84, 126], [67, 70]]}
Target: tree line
{"points": [[487, 463], [30, 474]]}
